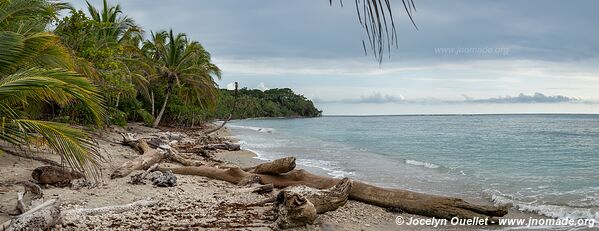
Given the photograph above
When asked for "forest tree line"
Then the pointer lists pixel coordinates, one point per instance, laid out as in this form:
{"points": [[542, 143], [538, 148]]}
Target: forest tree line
{"points": [[61, 66]]}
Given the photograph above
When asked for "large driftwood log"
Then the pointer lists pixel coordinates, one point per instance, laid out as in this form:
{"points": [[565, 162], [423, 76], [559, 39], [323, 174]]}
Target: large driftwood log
{"points": [[291, 209], [408, 201], [274, 167]]}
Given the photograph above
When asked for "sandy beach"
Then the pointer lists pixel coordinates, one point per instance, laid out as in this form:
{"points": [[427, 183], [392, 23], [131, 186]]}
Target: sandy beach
{"points": [[194, 203]]}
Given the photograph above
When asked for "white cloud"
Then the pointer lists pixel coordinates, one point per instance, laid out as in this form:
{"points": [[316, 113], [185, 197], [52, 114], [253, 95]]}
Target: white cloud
{"points": [[261, 87], [231, 86]]}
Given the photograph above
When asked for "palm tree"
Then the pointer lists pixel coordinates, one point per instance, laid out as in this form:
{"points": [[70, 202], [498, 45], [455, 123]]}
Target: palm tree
{"points": [[114, 25], [184, 64], [34, 71]]}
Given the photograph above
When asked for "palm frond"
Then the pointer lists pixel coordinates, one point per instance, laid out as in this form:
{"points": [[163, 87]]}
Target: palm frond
{"points": [[77, 148], [55, 85], [376, 18]]}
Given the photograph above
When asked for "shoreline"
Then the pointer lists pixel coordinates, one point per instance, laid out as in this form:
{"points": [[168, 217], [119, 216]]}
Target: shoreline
{"points": [[196, 202]]}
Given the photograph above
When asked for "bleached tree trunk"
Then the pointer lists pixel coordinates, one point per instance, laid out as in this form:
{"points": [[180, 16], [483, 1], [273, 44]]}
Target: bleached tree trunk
{"points": [[408, 201]]}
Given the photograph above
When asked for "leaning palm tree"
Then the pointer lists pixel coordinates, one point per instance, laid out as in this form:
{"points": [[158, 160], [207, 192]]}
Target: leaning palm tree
{"points": [[34, 71], [184, 65]]}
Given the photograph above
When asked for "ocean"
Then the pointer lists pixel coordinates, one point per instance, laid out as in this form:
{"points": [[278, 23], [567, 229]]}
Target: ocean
{"points": [[544, 164]]}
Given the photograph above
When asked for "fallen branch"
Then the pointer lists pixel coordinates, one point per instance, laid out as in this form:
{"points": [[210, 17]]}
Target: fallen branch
{"points": [[408, 201], [73, 215], [139, 145]]}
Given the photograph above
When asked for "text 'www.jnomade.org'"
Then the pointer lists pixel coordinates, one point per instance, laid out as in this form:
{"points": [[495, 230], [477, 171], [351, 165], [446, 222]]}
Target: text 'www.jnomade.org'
{"points": [[528, 222]]}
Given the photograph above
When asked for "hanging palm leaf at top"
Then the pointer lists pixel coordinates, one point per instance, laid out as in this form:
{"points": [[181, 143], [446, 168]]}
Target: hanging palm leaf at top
{"points": [[34, 70], [376, 18]]}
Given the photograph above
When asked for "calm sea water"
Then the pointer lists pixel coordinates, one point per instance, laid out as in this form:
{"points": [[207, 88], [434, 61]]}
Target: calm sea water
{"points": [[546, 164]]}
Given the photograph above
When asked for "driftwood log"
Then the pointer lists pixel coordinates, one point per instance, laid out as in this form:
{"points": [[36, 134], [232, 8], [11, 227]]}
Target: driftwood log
{"points": [[41, 217], [148, 158], [274, 167], [408, 201], [73, 215], [292, 209], [325, 200]]}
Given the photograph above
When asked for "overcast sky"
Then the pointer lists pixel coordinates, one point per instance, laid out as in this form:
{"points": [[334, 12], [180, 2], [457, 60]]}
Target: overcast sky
{"points": [[475, 56]]}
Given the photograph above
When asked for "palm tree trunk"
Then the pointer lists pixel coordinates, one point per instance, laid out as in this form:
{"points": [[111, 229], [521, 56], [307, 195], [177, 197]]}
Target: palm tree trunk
{"points": [[159, 117], [153, 111]]}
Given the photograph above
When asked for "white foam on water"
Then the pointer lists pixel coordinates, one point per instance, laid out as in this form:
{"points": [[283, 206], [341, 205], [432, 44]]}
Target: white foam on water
{"points": [[423, 164], [329, 166], [258, 129], [554, 211]]}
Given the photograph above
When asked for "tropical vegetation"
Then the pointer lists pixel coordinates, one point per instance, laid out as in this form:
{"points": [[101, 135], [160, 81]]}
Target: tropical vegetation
{"points": [[65, 72], [252, 103]]}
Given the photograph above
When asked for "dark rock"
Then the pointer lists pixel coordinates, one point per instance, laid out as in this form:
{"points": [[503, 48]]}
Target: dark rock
{"points": [[165, 179]]}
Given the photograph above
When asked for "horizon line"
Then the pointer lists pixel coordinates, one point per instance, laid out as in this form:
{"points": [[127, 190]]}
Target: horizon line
{"points": [[461, 114]]}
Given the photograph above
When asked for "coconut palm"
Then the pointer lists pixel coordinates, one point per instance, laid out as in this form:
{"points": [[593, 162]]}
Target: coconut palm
{"points": [[114, 24], [185, 65], [34, 71]]}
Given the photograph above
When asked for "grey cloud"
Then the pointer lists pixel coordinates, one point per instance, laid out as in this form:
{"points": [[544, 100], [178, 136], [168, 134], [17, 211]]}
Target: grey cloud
{"points": [[378, 98], [522, 98], [375, 98]]}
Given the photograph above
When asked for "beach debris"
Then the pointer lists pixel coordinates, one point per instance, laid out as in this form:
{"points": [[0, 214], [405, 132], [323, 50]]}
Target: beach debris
{"points": [[54, 175], [164, 179], [77, 184], [291, 210], [411, 202]]}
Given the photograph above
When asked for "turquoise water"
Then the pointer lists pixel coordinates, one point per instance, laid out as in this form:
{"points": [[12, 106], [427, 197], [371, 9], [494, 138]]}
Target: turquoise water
{"points": [[546, 164]]}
